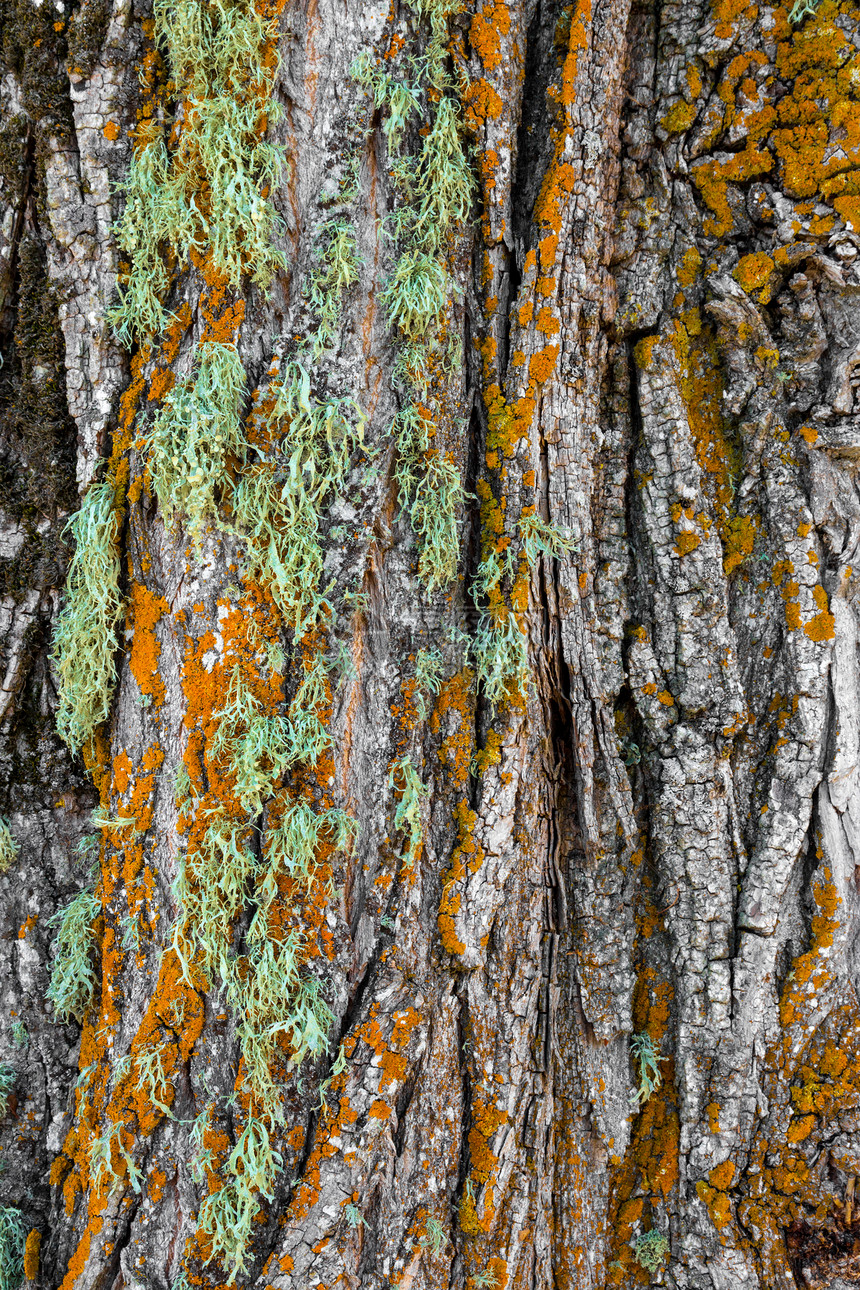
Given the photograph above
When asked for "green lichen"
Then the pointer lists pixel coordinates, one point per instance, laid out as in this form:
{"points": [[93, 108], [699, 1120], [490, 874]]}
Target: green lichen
{"points": [[429, 485], [8, 1075], [416, 293], [13, 1235], [649, 1078], [152, 1076], [279, 504], [435, 191], [85, 636], [400, 100], [652, 1249], [103, 1168], [216, 54], [8, 848], [73, 977], [404, 779], [802, 9], [337, 269], [211, 889], [292, 846], [197, 430], [540, 538], [500, 646], [428, 678], [256, 745], [228, 1214]]}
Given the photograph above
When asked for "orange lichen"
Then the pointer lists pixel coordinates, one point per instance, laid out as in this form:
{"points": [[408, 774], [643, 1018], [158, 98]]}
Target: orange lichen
{"points": [[32, 1248], [466, 858], [685, 542], [822, 627], [145, 610], [679, 118], [492, 21], [755, 272], [542, 364]]}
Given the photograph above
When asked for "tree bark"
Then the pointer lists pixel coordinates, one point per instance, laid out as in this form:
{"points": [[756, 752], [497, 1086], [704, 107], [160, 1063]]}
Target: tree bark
{"points": [[472, 900]]}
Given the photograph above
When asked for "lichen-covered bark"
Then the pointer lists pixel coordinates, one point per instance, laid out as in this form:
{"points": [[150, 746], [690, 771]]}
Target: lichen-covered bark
{"points": [[468, 864]]}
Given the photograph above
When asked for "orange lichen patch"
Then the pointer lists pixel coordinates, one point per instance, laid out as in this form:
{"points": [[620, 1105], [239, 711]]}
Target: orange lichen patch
{"points": [[488, 1118], [468, 856], [718, 1203], [177, 1009], [145, 611], [800, 1130], [156, 1181], [757, 273], [122, 772], [498, 1270], [686, 542], [490, 754], [558, 185], [507, 424], [454, 712], [542, 364], [178, 325], [692, 320], [27, 926], [792, 616], [547, 323], [643, 351], [111, 131], [577, 41], [665, 698], [161, 383], [679, 118], [712, 178], [701, 387], [809, 433], [222, 320], [32, 1247], [548, 248], [726, 13], [690, 267], [482, 103], [722, 1175], [812, 132], [739, 541], [810, 967], [470, 1223], [849, 209], [809, 1092], [78, 1261], [650, 1170], [822, 627], [490, 23]]}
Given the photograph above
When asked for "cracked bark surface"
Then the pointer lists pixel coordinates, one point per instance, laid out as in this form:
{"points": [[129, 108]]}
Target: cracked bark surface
{"points": [[659, 302]]}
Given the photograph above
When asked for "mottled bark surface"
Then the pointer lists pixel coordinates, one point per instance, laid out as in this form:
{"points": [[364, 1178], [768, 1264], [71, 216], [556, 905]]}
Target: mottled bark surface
{"points": [[651, 340]]}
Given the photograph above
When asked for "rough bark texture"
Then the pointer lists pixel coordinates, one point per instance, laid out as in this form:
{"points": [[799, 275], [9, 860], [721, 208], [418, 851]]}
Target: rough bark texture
{"points": [[634, 865]]}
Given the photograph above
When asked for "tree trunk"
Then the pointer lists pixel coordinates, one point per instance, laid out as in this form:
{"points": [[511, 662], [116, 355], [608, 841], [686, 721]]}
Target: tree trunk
{"points": [[430, 752]]}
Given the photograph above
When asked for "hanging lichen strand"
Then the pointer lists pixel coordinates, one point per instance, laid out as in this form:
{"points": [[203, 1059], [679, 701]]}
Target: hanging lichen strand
{"points": [[200, 191], [434, 197], [256, 822], [209, 194], [435, 191], [85, 636]]}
